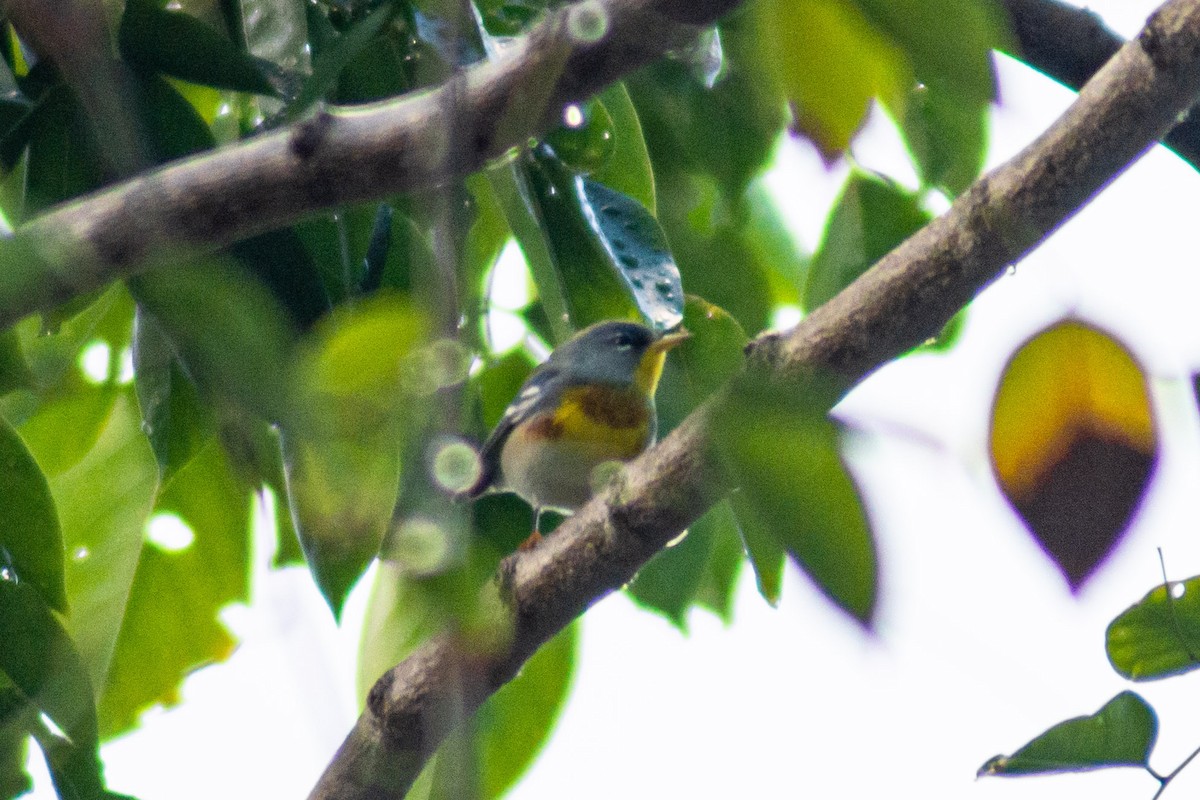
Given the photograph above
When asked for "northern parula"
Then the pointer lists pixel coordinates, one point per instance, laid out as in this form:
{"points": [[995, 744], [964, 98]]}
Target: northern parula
{"points": [[592, 401]]}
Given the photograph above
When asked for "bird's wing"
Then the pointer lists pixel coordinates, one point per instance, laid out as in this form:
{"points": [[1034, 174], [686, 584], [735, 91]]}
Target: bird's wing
{"points": [[542, 386]]}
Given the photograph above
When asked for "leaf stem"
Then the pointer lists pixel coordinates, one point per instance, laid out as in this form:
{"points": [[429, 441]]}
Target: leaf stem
{"points": [[1165, 780], [1183, 640]]}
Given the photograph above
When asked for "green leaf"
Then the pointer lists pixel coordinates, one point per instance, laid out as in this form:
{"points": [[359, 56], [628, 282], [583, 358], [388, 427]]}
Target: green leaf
{"points": [[871, 217], [154, 39], [763, 548], [175, 419], [830, 62], [627, 169], [694, 567], [611, 256], [41, 660], [1159, 636], [946, 137], [486, 756], [514, 724], [709, 234], [334, 57], [948, 42], [17, 718], [781, 451], [14, 372], [1121, 734], [31, 542], [229, 332], [43, 664], [719, 583], [174, 128], [171, 624], [713, 353], [726, 131], [363, 373], [103, 502], [64, 159]]}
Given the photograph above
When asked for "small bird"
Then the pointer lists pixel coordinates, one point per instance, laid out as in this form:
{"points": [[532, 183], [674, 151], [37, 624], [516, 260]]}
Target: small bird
{"points": [[591, 402]]}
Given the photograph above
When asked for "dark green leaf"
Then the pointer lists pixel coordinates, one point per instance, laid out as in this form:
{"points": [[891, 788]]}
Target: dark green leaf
{"points": [[727, 132], [333, 58], [173, 126], [31, 542], [153, 39], [171, 625], [1121, 734], [228, 330], [1159, 636], [793, 493], [291, 271], [871, 217], [175, 419], [674, 580], [64, 159], [14, 372], [43, 663], [17, 718]]}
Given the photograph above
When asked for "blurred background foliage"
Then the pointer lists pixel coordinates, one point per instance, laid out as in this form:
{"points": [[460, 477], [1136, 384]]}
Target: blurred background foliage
{"points": [[343, 367]]}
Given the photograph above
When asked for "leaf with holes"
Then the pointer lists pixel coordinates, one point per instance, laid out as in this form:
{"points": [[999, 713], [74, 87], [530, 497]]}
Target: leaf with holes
{"points": [[1073, 443], [1159, 636], [183, 580], [1121, 734]]}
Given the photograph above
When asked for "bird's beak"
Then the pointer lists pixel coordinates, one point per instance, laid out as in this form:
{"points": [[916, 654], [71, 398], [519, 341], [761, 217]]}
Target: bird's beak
{"points": [[670, 340], [650, 370]]}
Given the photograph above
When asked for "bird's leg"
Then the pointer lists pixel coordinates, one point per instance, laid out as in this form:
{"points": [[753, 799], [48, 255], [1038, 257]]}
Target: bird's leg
{"points": [[536, 536]]}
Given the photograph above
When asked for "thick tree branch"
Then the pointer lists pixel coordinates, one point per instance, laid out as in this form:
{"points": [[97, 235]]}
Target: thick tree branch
{"points": [[1070, 45], [906, 298], [348, 155]]}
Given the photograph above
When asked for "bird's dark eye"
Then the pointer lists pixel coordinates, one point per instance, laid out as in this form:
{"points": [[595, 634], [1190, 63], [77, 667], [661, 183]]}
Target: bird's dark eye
{"points": [[622, 341]]}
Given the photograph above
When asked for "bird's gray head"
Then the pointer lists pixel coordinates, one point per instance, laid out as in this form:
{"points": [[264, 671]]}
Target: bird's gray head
{"points": [[607, 352]]}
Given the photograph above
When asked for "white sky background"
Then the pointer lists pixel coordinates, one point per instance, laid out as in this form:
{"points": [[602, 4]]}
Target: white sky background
{"points": [[980, 645]]}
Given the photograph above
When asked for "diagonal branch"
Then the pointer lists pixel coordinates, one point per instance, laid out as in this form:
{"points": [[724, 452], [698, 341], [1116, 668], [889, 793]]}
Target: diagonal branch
{"points": [[1070, 44], [906, 298], [346, 156]]}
